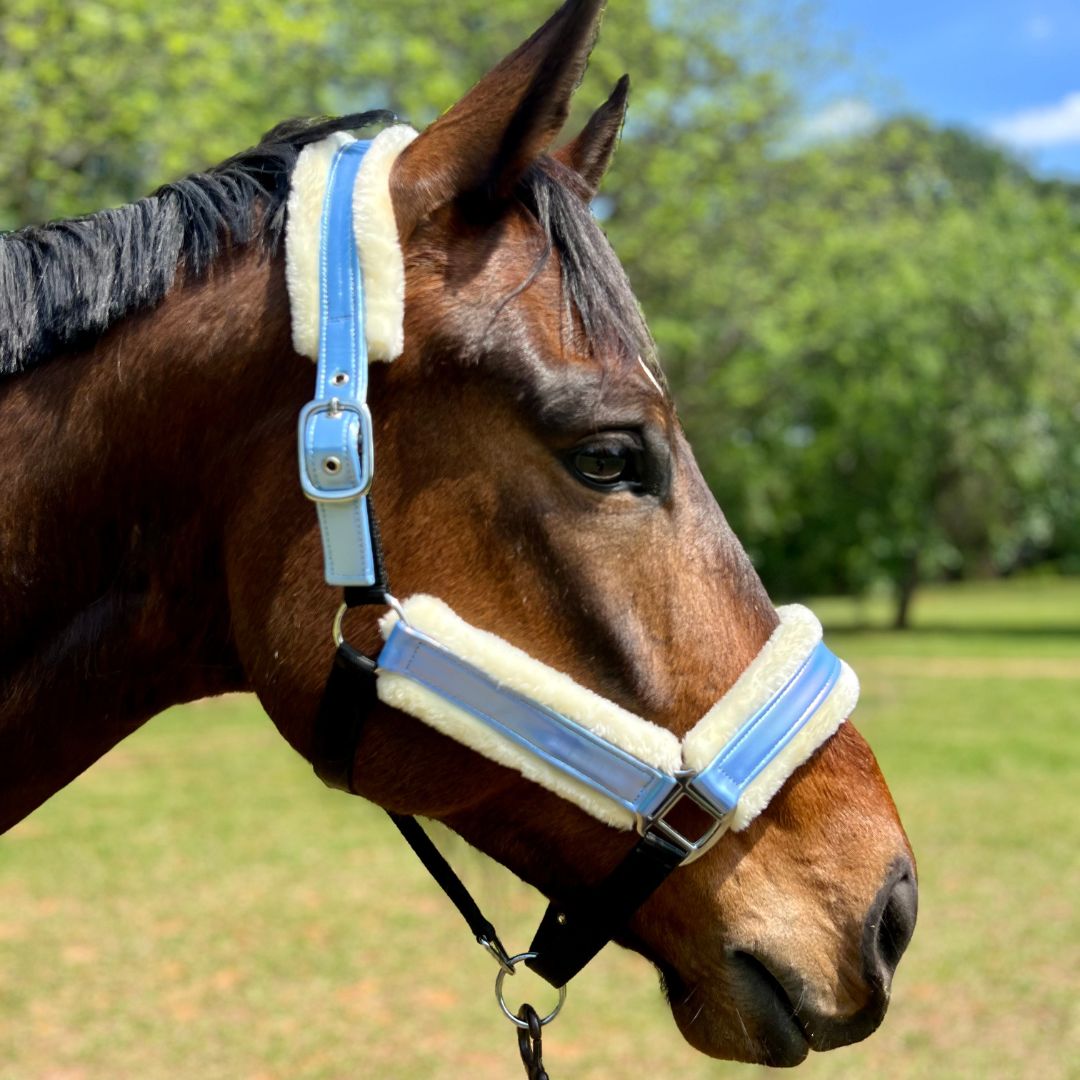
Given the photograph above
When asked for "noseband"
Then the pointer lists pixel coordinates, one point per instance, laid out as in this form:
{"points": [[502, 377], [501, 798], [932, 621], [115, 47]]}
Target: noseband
{"points": [[475, 687]]}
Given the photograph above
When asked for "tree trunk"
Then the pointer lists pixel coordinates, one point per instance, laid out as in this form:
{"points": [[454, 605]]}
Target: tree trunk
{"points": [[905, 590]]}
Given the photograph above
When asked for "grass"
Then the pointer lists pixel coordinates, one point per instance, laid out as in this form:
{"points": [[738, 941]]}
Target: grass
{"points": [[197, 905], [1037, 618]]}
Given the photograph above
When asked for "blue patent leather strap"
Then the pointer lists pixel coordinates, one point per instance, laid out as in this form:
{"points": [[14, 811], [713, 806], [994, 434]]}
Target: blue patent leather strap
{"points": [[335, 439], [342, 344], [765, 734], [555, 739]]}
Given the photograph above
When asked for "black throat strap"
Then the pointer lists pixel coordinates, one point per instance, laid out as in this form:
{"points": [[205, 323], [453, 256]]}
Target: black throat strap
{"points": [[570, 935], [348, 698]]}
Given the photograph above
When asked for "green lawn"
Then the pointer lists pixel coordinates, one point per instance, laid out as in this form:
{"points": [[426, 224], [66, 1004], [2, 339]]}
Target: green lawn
{"points": [[199, 906]]}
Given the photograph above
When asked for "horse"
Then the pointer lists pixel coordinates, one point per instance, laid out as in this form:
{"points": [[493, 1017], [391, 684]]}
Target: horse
{"points": [[155, 547]]}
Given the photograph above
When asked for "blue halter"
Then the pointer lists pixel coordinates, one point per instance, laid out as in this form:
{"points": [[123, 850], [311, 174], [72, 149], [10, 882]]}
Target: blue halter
{"points": [[337, 458], [647, 792], [336, 469]]}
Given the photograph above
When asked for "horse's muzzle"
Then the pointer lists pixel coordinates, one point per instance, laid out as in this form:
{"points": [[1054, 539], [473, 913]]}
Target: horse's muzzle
{"points": [[787, 1025]]}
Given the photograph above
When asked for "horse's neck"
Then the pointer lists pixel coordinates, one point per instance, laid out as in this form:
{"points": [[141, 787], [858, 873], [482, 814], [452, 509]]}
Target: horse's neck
{"points": [[116, 468]]}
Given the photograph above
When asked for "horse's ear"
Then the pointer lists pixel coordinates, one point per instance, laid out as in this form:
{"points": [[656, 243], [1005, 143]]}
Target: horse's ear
{"points": [[485, 142], [590, 153]]}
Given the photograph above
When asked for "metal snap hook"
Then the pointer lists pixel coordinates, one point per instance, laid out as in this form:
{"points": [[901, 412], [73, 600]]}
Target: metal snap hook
{"points": [[515, 1020], [496, 949]]}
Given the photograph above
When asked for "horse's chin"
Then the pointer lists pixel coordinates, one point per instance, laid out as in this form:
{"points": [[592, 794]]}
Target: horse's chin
{"points": [[754, 1024]]}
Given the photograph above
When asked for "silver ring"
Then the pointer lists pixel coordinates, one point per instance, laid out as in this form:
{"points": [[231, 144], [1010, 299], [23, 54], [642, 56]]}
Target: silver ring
{"points": [[502, 1001], [337, 630]]}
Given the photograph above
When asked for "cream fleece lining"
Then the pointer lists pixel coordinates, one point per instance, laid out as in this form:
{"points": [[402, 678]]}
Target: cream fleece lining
{"points": [[512, 668], [307, 189], [376, 237], [782, 655], [769, 672], [375, 230]]}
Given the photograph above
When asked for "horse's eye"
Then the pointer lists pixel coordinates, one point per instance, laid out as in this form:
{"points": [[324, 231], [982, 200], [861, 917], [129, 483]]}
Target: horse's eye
{"points": [[600, 466], [605, 467]]}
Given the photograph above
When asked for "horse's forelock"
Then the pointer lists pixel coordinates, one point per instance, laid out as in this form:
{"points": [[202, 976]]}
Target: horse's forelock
{"points": [[594, 281]]}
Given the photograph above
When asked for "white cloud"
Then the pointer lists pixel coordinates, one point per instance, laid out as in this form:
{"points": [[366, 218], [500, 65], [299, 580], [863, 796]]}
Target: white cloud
{"points": [[839, 119], [1047, 125]]}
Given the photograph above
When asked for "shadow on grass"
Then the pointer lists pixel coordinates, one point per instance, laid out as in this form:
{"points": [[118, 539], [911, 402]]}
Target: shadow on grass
{"points": [[954, 630]]}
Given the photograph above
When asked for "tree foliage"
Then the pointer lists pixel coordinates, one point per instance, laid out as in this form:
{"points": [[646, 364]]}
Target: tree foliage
{"points": [[106, 99], [873, 342], [902, 368]]}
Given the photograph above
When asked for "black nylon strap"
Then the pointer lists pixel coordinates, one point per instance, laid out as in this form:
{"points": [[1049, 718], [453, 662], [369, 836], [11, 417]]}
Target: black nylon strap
{"points": [[348, 698], [570, 935], [359, 595], [447, 880]]}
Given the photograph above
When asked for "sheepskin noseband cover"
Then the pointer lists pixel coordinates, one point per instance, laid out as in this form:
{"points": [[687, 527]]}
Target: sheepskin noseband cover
{"points": [[790, 648]]}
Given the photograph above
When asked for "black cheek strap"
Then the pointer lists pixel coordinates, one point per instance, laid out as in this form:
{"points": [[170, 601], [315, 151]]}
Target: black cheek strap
{"points": [[348, 698]]}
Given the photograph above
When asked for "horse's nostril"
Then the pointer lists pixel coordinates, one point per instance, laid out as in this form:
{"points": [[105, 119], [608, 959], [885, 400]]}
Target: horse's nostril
{"points": [[898, 921], [890, 924]]}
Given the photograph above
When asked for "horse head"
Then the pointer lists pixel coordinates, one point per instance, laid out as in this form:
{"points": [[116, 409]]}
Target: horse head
{"points": [[533, 474]]}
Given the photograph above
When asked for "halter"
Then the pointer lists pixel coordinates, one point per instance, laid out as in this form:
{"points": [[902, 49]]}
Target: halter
{"points": [[496, 699]]}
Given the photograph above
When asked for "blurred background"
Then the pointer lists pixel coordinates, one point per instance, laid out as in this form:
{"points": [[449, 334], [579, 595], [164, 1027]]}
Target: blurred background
{"points": [[854, 230]]}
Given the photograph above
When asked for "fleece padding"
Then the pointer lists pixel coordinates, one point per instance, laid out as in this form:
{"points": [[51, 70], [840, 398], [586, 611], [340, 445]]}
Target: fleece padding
{"points": [[516, 670], [381, 261], [790, 643], [782, 655], [797, 633], [307, 190], [375, 231], [832, 712]]}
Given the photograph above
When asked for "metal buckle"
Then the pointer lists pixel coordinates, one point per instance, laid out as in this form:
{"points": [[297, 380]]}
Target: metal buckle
{"points": [[334, 407], [693, 849]]}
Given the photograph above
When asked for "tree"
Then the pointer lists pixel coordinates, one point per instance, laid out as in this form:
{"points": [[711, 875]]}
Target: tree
{"points": [[873, 343], [904, 382], [107, 100]]}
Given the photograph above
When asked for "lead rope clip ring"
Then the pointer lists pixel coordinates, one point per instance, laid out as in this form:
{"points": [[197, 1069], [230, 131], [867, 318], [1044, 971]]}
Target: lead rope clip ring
{"points": [[515, 1020]]}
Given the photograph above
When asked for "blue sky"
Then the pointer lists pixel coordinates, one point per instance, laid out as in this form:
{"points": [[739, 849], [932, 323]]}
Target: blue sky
{"points": [[1005, 68]]}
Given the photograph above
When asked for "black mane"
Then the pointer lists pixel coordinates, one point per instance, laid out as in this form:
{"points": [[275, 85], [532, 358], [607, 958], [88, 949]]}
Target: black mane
{"points": [[65, 283]]}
